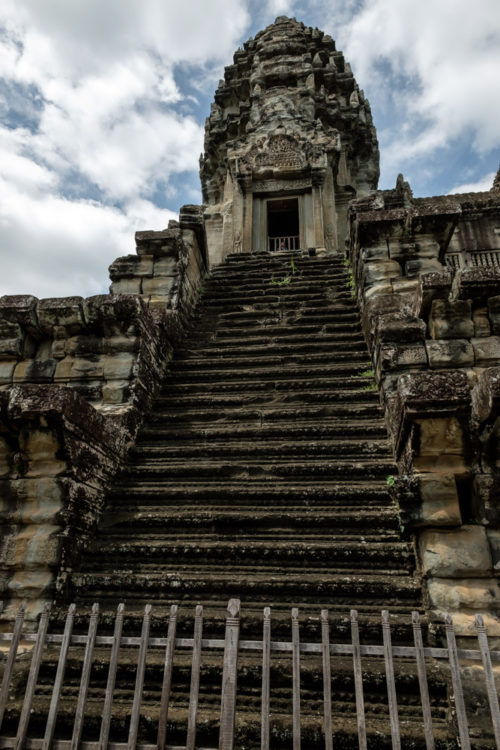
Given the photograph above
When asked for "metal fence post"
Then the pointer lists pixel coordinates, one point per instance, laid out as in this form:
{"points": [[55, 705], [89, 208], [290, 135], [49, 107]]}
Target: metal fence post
{"points": [[229, 675]]}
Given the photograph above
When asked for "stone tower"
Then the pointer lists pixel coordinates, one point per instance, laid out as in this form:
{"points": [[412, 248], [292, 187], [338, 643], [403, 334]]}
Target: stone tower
{"points": [[289, 142]]}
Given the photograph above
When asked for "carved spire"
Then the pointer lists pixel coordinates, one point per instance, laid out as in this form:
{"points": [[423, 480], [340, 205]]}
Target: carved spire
{"points": [[496, 182], [290, 80]]}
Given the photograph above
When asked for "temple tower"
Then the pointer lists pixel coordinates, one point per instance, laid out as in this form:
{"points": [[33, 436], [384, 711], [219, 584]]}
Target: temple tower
{"points": [[289, 142]]}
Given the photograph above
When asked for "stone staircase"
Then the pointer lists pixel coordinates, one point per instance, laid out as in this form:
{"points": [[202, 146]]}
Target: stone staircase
{"points": [[261, 471], [260, 474]]}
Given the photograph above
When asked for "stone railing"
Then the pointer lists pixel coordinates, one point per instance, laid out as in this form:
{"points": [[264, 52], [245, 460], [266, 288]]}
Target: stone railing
{"points": [[434, 338], [76, 377]]}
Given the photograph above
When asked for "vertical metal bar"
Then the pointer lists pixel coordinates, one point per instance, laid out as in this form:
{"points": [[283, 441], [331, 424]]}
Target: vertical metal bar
{"points": [[327, 679], [391, 685], [490, 680], [358, 680], [167, 678], [61, 666], [296, 678], [229, 676], [195, 678], [463, 728], [139, 679], [422, 681], [14, 644], [84, 681], [266, 668], [110, 685], [32, 678]]}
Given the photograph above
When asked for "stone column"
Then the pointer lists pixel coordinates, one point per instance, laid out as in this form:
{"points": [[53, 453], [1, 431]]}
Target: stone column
{"points": [[259, 225], [329, 215], [319, 231], [246, 237], [306, 220]]}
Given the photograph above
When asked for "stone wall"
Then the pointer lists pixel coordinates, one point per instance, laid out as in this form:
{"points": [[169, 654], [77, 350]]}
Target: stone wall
{"points": [[432, 325], [76, 378]]}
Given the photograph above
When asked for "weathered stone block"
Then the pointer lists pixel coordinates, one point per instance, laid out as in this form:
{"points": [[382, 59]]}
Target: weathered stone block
{"points": [[494, 541], [486, 351], [130, 266], [380, 289], [450, 320], [455, 554], [7, 371], [35, 371], [21, 310], [450, 354], [494, 314], [482, 327], [117, 367], [116, 392], [127, 286], [42, 449], [160, 286], [401, 356], [165, 242], [404, 285], [427, 500], [439, 435], [5, 457], [440, 506], [166, 266], [476, 283], [32, 547], [60, 311], [486, 395], [77, 368], [375, 252], [31, 584], [420, 266], [383, 270], [431, 286], [30, 501], [486, 498], [398, 327], [11, 348], [452, 595]]}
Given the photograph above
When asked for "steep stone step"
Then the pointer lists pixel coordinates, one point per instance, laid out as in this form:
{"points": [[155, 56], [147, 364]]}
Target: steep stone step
{"points": [[279, 413], [304, 388], [241, 431], [275, 586], [269, 469], [256, 494], [240, 397], [156, 551], [200, 448], [183, 371], [269, 361], [272, 326], [277, 522], [315, 346], [285, 337]]}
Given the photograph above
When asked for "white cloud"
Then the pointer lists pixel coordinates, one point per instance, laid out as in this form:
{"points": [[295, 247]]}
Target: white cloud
{"points": [[104, 76], [447, 57], [55, 247], [280, 7], [484, 183]]}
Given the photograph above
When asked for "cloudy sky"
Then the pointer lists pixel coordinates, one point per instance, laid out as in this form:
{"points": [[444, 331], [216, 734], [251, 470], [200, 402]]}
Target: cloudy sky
{"points": [[103, 102]]}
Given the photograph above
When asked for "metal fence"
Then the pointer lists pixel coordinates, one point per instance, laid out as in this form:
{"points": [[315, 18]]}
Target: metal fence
{"points": [[230, 648], [284, 243]]}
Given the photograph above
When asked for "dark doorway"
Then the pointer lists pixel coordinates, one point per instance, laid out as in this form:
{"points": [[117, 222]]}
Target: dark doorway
{"points": [[283, 224]]}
